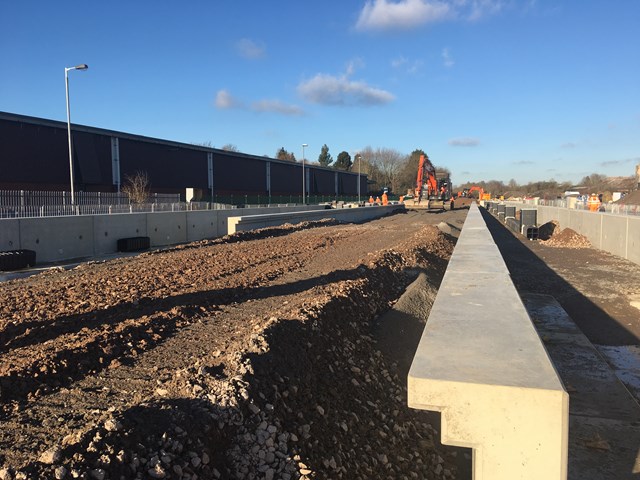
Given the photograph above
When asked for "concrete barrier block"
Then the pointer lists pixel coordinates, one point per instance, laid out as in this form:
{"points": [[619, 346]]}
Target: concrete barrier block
{"points": [[586, 223], [633, 240], [167, 228], [614, 234], [252, 222], [58, 238], [107, 229], [9, 234], [481, 363]]}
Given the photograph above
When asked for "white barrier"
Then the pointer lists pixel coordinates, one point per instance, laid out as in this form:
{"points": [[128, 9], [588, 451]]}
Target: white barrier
{"points": [[481, 363]]}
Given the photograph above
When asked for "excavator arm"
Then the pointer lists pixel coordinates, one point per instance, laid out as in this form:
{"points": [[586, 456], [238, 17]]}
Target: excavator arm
{"points": [[426, 175]]}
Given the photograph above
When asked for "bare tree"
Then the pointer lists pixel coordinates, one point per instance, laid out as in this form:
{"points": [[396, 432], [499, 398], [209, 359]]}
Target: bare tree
{"points": [[230, 147], [137, 186]]}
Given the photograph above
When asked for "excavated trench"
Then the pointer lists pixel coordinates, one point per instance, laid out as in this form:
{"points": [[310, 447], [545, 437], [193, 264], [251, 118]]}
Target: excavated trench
{"points": [[277, 355]]}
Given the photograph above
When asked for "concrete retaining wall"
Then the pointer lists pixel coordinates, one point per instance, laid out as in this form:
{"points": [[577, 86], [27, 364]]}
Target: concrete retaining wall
{"points": [[57, 239], [616, 234], [360, 214], [482, 364]]}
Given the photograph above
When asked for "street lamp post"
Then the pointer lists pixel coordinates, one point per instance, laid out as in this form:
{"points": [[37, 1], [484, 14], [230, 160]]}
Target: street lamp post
{"points": [[303, 178], [83, 66]]}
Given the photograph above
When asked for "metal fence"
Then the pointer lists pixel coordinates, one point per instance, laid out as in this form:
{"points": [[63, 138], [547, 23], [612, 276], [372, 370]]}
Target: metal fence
{"points": [[26, 203], [613, 208]]}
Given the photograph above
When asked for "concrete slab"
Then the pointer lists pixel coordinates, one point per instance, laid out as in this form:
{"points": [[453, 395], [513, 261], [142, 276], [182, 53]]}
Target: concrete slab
{"points": [[9, 234], [604, 431]]}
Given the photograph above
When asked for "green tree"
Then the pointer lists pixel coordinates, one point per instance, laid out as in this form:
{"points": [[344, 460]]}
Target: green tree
{"points": [[343, 162], [325, 159], [284, 155]]}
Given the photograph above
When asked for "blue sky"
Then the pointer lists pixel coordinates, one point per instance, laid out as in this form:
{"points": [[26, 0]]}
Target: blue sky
{"points": [[492, 89]]}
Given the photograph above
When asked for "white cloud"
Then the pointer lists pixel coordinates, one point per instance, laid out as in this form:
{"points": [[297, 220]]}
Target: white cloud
{"points": [[407, 65], [446, 58], [249, 49], [353, 65], [478, 9], [224, 100], [408, 14], [276, 106], [330, 90], [464, 142], [389, 15], [399, 62]]}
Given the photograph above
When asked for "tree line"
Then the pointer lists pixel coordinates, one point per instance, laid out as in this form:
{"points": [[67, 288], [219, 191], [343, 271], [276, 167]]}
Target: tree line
{"points": [[389, 168], [384, 167]]}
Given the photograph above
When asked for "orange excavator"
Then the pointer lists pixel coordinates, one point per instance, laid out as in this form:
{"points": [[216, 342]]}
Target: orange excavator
{"points": [[466, 192], [433, 186]]}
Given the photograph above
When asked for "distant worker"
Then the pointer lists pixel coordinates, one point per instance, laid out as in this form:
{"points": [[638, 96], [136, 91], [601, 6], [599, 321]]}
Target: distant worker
{"points": [[385, 199], [371, 199], [377, 202], [401, 199], [593, 203]]}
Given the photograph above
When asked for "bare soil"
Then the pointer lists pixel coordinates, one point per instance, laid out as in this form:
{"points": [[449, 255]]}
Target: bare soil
{"points": [[251, 356]]}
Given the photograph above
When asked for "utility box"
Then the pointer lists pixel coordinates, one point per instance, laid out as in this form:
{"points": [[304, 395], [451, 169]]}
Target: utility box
{"points": [[529, 217]]}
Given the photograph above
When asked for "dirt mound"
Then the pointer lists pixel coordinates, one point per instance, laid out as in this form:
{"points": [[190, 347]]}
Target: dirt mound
{"points": [[234, 359], [567, 238], [632, 198]]}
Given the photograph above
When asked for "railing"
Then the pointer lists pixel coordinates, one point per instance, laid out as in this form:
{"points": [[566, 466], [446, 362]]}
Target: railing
{"points": [[25, 203], [614, 208]]}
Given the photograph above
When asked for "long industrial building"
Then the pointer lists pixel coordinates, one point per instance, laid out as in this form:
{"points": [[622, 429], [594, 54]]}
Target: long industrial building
{"points": [[34, 156]]}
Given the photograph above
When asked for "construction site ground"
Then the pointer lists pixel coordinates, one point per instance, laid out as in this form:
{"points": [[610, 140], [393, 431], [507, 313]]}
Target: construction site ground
{"points": [[256, 355], [268, 354]]}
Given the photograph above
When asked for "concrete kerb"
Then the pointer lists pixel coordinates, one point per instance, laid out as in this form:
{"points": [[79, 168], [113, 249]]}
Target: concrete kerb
{"points": [[482, 364]]}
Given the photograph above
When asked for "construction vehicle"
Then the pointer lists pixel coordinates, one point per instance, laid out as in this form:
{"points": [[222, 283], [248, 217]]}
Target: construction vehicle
{"points": [[467, 192], [433, 187]]}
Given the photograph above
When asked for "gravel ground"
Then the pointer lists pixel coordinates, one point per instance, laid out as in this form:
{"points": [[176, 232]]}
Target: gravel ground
{"points": [[250, 356]]}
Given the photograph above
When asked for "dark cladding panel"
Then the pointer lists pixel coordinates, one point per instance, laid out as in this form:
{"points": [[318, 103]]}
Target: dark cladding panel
{"points": [[33, 154], [286, 179], [237, 174], [92, 160], [322, 182], [168, 166], [348, 184]]}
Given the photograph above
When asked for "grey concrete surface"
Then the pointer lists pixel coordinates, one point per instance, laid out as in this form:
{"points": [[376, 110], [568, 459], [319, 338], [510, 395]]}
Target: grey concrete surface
{"points": [[358, 214], [604, 428]]}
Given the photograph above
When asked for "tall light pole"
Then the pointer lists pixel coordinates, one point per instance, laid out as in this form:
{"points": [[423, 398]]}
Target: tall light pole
{"points": [[83, 66], [303, 197]]}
